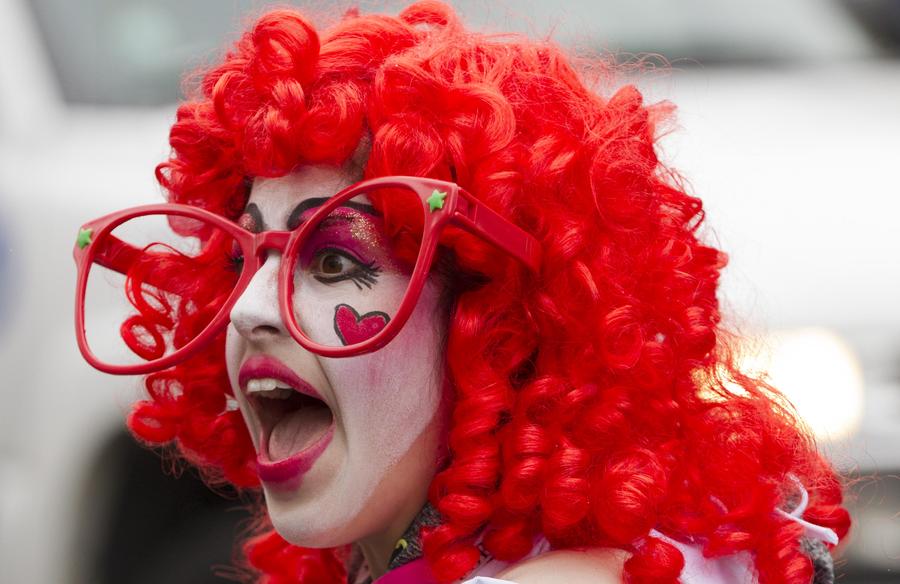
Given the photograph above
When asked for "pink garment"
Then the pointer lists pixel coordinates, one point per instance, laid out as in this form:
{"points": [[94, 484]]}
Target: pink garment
{"points": [[415, 572]]}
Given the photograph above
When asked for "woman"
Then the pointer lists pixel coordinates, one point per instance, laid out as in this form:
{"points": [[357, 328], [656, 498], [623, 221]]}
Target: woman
{"points": [[530, 383]]}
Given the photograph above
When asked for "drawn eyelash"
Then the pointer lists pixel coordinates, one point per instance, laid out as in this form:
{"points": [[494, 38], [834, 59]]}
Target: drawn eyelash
{"points": [[367, 275], [362, 274]]}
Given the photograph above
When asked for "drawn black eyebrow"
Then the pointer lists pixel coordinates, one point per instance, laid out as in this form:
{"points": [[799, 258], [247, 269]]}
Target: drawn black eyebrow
{"points": [[294, 219], [258, 224]]}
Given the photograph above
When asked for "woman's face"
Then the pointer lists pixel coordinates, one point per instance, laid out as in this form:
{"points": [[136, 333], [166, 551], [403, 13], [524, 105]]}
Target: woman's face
{"points": [[348, 446]]}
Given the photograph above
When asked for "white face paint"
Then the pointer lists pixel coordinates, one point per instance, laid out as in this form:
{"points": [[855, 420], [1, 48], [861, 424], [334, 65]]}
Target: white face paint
{"points": [[376, 469]]}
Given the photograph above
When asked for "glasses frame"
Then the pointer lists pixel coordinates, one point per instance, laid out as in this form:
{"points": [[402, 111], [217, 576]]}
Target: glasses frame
{"points": [[444, 203]]}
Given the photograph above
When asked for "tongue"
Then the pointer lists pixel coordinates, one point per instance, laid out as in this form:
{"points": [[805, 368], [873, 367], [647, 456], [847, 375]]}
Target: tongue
{"points": [[297, 430]]}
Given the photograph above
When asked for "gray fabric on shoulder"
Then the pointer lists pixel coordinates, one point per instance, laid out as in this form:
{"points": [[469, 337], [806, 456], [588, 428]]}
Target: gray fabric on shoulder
{"points": [[821, 558]]}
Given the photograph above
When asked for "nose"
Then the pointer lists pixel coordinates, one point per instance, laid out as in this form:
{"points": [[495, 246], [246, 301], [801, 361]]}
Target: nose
{"points": [[255, 315]]}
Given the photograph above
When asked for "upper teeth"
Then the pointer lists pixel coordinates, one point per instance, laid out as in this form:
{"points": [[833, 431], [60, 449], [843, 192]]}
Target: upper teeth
{"points": [[269, 387]]}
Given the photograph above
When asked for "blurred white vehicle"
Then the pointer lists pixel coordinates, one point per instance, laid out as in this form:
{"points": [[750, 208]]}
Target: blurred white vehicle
{"points": [[795, 162], [59, 165]]}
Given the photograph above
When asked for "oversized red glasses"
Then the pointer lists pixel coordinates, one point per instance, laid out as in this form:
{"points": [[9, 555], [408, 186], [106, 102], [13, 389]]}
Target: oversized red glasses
{"points": [[157, 283]]}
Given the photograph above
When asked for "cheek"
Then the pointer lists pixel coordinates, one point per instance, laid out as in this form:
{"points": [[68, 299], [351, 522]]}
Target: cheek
{"points": [[388, 397], [235, 348], [234, 352], [342, 314]]}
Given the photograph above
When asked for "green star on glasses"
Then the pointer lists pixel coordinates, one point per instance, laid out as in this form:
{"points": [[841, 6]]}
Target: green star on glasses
{"points": [[436, 200], [84, 237]]}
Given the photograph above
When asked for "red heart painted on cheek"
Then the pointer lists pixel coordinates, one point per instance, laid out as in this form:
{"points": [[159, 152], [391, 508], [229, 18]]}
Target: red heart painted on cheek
{"points": [[352, 328]]}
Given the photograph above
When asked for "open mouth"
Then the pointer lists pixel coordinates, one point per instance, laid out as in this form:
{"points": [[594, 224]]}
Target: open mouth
{"points": [[295, 424], [290, 421]]}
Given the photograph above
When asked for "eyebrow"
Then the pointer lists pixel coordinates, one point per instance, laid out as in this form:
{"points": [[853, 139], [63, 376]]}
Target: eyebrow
{"points": [[294, 218]]}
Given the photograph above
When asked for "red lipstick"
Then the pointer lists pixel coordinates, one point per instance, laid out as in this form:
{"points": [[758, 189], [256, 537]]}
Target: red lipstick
{"points": [[286, 473], [261, 366]]}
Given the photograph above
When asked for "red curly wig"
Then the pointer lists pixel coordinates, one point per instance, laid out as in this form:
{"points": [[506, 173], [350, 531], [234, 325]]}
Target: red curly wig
{"points": [[591, 404]]}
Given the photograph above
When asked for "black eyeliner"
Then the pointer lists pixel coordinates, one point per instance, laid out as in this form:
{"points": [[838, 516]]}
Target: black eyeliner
{"points": [[367, 273]]}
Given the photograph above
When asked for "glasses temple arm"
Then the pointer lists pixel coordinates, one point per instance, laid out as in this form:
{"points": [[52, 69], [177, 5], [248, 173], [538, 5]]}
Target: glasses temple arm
{"points": [[490, 225], [118, 256]]}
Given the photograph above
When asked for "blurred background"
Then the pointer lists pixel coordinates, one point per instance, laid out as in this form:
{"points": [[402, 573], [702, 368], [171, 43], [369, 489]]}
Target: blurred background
{"points": [[788, 128]]}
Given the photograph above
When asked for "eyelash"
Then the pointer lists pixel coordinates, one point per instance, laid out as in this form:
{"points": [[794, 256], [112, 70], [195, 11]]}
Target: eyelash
{"points": [[363, 274], [234, 260]]}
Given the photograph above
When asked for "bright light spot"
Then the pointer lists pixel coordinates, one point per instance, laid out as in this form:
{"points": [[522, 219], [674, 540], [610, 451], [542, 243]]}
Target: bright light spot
{"points": [[819, 373]]}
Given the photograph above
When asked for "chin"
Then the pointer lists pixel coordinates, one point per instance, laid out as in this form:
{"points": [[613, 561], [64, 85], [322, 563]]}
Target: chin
{"points": [[309, 536], [322, 523], [350, 505]]}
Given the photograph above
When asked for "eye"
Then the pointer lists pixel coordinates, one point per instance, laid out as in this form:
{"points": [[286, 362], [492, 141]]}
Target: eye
{"points": [[333, 263], [234, 258]]}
